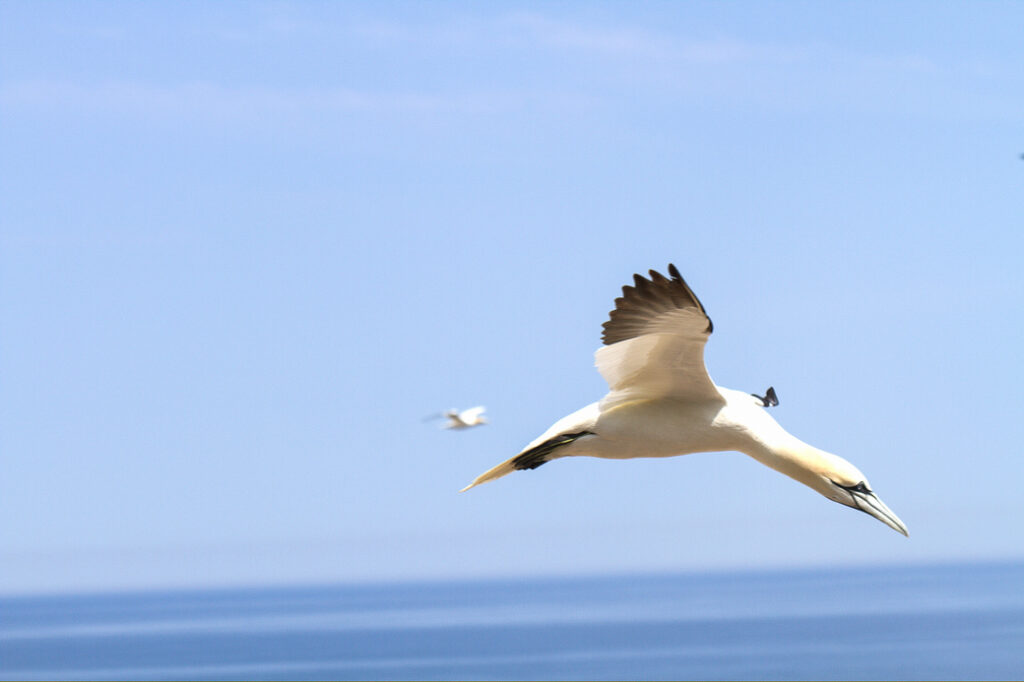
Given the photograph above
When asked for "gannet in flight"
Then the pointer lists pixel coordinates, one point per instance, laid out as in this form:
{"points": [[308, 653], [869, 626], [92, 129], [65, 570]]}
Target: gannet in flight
{"points": [[662, 403], [474, 416]]}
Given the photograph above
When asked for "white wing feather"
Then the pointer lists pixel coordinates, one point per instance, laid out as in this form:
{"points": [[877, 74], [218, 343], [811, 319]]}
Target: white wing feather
{"points": [[469, 416], [659, 329]]}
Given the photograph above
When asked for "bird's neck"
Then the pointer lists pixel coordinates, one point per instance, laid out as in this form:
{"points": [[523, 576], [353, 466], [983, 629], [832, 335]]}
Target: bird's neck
{"points": [[789, 455]]}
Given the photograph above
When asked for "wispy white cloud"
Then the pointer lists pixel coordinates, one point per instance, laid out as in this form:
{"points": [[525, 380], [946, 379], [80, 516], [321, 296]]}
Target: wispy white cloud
{"points": [[705, 68], [641, 43], [265, 22], [536, 31], [214, 100], [785, 75], [540, 31], [612, 58], [545, 31], [105, 32]]}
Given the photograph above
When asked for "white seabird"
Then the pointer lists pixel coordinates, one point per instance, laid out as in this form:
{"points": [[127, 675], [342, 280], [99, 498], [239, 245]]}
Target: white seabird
{"points": [[662, 403], [474, 416]]}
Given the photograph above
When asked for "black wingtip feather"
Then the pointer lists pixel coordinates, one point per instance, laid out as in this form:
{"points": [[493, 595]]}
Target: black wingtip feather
{"points": [[657, 277], [536, 456], [650, 295]]}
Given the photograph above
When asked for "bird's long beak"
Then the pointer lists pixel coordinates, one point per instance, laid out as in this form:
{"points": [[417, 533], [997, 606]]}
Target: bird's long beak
{"points": [[870, 504]]}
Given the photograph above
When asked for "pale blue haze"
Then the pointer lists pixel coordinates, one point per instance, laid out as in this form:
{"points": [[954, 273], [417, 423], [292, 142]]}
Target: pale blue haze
{"points": [[246, 247]]}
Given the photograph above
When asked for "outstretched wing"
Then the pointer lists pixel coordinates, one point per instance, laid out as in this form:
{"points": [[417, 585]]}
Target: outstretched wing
{"points": [[469, 416], [654, 343]]}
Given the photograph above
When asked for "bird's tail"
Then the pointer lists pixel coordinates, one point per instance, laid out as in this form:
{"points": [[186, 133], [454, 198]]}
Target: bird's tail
{"points": [[506, 467], [531, 458]]}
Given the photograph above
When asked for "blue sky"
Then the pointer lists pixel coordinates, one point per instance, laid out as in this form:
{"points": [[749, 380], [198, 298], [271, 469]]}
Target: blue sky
{"points": [[246, 247]]}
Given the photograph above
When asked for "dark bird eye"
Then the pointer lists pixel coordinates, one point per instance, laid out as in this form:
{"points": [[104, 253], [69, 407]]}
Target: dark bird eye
{"points": [[859, 488]]}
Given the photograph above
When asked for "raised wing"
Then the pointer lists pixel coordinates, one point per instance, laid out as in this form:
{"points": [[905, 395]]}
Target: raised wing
{"points": [[470, 416], [654, 342]]}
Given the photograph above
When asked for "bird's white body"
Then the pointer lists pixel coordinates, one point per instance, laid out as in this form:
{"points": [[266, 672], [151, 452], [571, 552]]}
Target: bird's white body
{"points": [[474, 416], [663, 404], [669, 428], [644, 428]]}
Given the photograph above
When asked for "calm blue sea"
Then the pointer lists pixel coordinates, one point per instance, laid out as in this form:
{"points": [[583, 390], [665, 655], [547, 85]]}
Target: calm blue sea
{"points": [[941, 622]]}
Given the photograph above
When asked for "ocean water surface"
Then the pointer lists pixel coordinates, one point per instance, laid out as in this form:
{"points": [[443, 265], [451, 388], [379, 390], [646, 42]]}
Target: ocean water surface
{"points": [[934, 622]]}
